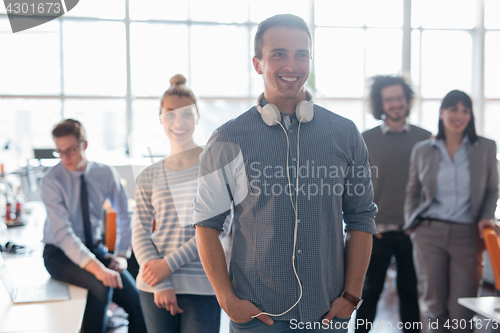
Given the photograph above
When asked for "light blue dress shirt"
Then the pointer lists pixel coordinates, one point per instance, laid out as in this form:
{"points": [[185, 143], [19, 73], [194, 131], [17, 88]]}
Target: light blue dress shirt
{"points": [[452, 199], [63, 228]]}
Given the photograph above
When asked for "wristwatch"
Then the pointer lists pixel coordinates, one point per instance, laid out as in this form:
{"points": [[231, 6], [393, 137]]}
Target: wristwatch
{"points": [[356, 302]]}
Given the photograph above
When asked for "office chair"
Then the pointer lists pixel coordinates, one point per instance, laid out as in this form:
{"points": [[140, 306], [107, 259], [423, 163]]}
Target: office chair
{"points": [[493, 246], [110, 229]]}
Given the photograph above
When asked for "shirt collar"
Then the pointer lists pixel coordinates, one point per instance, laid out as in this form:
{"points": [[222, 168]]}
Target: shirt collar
{"points": [[85, 172], [386, 128], [435, 142]]}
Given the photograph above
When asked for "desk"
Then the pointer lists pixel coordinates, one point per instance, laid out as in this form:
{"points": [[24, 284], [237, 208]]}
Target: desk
{"points": [[484, 306], [56, 316]]}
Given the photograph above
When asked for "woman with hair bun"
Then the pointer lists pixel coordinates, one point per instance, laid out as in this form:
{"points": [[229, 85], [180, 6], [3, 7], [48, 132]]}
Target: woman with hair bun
{"points": [[175, 293], [451, 197]]}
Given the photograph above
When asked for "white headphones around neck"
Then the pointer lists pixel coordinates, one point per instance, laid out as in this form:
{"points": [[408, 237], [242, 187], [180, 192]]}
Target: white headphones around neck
{"points": [[271, 115]]}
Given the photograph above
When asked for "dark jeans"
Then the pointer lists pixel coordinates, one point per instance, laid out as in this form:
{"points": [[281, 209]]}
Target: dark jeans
{"points": [[201, 314], [95, 320], [398, 244]]}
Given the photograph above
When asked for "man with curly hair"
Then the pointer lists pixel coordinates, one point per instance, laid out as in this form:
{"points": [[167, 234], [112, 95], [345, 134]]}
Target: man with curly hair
{"points": [[389, 147]]}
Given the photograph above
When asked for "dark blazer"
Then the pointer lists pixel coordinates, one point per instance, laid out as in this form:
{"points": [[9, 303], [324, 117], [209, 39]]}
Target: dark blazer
{"points": [[421, 187]]}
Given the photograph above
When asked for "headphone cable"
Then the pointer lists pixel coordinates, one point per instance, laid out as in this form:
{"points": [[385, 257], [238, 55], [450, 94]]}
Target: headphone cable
{"points": [[296, 215]]}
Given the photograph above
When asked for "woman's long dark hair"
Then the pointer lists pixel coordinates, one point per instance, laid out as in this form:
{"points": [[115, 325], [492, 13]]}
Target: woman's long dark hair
{"points": [[451, 99]]}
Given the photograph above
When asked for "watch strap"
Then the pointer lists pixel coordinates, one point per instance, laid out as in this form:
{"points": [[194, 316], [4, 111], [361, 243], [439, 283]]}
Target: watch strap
{"points": [[355, 301]]}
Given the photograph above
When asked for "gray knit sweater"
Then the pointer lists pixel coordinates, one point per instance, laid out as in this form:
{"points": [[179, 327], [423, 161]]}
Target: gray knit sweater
{"points": [[389, 156]]}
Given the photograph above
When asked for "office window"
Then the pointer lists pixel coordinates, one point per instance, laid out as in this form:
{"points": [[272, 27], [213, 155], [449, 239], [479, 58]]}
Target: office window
{"points": [[441, 54], [429, 115], [492, 65], [256, 81], [77, 65], [491, 121], [356, 13], [158, 10], [355, 40], [348, 56], [491, 11], [104, 122], [219, 63], [383, 13], [26, 123], [147, 136], [109, 9], [446, 62], [415, 60], [221, 11], [491, 115], [94, 58], [339, 13], [30, 63], [262, 9], [444, 14], [383, 51], [156, 58], [339, 61]]}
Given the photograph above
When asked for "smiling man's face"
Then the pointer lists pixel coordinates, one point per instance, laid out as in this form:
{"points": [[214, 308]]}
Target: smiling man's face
{"points": [[285, 63]]}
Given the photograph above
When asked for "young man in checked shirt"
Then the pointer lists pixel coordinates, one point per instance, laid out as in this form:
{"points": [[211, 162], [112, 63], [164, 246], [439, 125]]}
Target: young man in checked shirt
{"points": [[252, 164]]}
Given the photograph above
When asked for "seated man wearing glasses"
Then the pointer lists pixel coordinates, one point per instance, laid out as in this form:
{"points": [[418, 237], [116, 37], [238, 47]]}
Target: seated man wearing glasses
{"points": [[73, 192]]}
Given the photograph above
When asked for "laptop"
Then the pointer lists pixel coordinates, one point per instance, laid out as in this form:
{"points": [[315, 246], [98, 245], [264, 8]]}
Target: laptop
{"points": [[51, 290]]}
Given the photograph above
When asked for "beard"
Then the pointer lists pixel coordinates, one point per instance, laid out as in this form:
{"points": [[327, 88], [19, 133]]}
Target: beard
{"points": [[396, 118]]}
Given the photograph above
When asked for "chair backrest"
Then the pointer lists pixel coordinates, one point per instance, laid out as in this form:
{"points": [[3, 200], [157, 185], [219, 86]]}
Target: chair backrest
{"points": [[493, 246], [110, 229]]}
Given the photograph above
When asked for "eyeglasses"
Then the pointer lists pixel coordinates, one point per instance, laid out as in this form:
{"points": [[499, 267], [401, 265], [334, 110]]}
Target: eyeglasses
{"points": [[68, 152], [391, 100]]}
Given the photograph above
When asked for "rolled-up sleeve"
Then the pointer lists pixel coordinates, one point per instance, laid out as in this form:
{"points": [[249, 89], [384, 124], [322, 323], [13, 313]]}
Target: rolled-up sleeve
{"points": [[357, 200]]}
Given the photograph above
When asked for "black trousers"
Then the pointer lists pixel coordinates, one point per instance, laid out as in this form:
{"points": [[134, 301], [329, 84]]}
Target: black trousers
{"points": [[397, 244]]}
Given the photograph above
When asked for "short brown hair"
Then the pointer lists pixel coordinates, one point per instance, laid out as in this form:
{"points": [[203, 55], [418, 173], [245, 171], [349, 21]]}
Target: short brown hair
{"points": [[69, 127], [281, 20]]}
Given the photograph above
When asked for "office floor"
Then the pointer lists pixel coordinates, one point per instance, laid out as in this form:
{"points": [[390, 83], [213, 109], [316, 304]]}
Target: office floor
{"points": [[387, 311], [388, 306]]}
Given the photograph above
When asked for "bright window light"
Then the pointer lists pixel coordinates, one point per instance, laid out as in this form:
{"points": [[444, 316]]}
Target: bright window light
{"points": [[158, 10], [339, 61], [446, 62], [23, 73], [94, 58], [155, 59]]}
